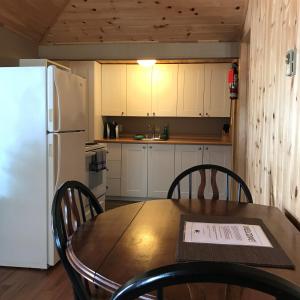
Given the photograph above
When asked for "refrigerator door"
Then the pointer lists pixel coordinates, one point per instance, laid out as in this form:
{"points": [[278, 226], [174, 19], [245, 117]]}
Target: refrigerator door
{"points": [[23, 167], [66, 161], [66, 101]]}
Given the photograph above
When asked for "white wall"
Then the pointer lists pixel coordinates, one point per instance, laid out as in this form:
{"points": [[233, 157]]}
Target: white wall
{"points": [[14, 47], [140, 50]]}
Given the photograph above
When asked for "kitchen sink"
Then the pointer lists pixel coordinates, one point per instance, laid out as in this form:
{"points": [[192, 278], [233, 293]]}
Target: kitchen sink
{"points": [[152, 139]]}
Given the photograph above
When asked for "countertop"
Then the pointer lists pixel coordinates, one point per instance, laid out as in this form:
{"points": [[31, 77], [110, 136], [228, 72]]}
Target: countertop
{"points": [[223, 140]]}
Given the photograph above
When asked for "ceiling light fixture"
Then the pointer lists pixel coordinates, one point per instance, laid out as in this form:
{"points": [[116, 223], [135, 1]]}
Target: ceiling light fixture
{"points": [[146, 62]]}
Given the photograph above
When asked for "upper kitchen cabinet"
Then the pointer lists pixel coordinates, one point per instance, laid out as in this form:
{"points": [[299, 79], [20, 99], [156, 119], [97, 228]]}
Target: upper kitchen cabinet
{"points": [[113, 90], [138, 90], [216, 91], [190, 90], [164, 90]]}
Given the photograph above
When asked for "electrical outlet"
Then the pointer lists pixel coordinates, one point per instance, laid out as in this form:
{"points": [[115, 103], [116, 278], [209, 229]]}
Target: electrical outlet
{"points": [[291, 62]]}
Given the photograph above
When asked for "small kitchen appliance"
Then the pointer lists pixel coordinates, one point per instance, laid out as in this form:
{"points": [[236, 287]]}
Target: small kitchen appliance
{"points": [[111, 130]]}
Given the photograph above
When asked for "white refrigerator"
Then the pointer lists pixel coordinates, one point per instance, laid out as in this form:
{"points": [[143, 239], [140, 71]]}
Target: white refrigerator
{"points": [[42, 136]]}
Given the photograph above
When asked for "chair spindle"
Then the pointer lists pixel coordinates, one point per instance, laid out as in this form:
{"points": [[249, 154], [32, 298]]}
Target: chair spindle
{"points": [[239, 192], [190, 186], [178, 189], [227, 187]]}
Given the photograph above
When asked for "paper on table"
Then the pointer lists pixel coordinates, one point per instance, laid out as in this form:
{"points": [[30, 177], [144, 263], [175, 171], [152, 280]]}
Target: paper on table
{"points": [[225, 234]]}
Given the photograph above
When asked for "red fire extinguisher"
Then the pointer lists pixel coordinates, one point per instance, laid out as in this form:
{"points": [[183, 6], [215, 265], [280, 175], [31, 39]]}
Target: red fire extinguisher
{"points": [[233, 81]]}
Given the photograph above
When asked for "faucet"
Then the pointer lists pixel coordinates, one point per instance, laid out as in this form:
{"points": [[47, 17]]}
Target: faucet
{"points": [[150, 131]]}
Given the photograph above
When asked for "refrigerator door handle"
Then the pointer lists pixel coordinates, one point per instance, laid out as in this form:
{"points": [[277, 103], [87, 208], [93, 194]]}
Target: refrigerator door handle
{"points": [[58, 160], [58, 106]]}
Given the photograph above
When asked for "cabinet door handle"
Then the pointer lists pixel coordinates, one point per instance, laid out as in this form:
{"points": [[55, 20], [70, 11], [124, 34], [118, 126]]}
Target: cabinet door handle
{"points": [[154, 114], [147, 114], [200, 148], [122, 113], [206, 148], [144, 147], [150, 147], [206, 114], [200, 114]]}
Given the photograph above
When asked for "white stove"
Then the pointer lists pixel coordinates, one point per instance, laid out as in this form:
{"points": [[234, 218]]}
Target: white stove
{"points": [[95, 158], [90, 146]]}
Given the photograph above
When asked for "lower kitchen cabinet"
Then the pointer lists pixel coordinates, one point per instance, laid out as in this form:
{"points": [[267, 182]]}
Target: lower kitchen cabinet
{"points": [[147, 170], [141, 170], [113, 187], [160, 169], [114, 159], [187, 156], [134, 170], [217, 155]]}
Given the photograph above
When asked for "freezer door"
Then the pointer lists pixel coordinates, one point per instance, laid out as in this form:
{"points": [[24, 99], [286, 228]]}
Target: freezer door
{"points": [[66, 96], [23, 162], [66, 161]]}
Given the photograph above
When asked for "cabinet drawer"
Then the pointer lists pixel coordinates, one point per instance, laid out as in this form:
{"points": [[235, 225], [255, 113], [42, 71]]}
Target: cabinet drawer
{"points": [[189, 148], [114, 169], [114, 187], [114, 151]]}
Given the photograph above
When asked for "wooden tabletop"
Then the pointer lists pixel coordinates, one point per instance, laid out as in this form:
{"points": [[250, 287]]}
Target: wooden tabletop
{"points": [[126, 241]]}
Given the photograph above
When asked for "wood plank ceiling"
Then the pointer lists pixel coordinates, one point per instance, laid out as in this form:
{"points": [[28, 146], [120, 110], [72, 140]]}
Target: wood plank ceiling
{"points": [[94, 21], [30, 18]]}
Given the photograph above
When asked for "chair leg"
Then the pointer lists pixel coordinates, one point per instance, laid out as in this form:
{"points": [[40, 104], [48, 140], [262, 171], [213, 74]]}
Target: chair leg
{"points": [[160, 294], [75, 295]]}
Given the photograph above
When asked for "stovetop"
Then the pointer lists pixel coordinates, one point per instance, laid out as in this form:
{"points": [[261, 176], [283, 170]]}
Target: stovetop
{"points": [[93, 146]]}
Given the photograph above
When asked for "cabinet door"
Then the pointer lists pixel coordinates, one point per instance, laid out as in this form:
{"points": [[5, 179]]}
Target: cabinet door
{"points": [[113, 90], [134, 170], [160, 170], [190, 90], [91, 71], [164, 89], [187, 156], [138, 90], [216, 95], [217, 155]]}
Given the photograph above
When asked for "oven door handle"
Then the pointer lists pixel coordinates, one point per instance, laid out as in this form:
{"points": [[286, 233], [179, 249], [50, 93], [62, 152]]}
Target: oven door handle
{"points": [[90, 154]]}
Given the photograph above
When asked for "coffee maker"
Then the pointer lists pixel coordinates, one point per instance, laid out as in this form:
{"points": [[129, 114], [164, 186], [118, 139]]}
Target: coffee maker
{"points": [[111, 130]]}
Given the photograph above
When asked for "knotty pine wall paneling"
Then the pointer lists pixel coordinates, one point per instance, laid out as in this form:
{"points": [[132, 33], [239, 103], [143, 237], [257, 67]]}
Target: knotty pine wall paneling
{"points": [[273, 121]]}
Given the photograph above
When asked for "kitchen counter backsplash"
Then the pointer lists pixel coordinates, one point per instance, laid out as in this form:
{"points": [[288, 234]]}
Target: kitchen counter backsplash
{"points": [[194, 128]]}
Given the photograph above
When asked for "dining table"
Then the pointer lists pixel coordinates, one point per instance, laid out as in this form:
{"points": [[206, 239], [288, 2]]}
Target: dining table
{"points": [[129, 240]]}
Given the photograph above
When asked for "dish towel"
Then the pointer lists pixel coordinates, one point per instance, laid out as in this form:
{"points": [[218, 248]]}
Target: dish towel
{"points": [[98, 162]]}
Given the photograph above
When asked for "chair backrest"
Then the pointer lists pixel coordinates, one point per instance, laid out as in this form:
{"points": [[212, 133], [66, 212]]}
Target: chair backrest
{"points": [[217, 174], [212, 272], [73, 204]]}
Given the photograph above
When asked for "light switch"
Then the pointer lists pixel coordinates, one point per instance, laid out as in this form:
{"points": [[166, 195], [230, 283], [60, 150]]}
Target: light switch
{"points": [[291, 62]]}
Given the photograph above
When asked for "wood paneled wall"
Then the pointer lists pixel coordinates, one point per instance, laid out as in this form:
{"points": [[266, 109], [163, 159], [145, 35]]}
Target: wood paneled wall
{"points": [[273, 131]]}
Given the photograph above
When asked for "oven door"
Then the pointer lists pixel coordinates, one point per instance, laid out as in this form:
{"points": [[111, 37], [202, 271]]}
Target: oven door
{"points": [[96, 179]]}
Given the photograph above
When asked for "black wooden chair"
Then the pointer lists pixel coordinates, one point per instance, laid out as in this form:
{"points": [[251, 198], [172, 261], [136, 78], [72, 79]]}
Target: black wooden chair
{"points": [[230, 179], [213, 272], [73, 204]]}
